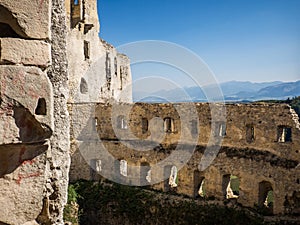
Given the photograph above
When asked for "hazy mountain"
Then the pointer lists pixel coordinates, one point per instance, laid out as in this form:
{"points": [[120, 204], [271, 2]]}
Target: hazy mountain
{"points": [[232, 91], [233, 87], [281, 90]]}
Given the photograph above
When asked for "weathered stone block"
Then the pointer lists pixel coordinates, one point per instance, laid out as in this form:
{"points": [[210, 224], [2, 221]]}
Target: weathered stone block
{"points": [[21, 195], [29, 19], [25, 52], [26, 109]]}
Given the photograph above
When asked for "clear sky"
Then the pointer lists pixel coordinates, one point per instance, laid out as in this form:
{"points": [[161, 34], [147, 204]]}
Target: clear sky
{"points": [[255, 40]]}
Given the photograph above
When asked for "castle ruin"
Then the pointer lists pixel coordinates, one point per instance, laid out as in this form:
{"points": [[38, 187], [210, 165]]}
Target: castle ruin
{"points": [[57, 82]]}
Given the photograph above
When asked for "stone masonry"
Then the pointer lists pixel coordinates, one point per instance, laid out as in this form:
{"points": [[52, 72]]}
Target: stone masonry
{"points": [[50, 55], [260, 148]]}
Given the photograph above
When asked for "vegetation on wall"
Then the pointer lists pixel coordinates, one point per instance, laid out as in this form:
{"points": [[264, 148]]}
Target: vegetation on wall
{"points": [[103, 203], [294, 103]]}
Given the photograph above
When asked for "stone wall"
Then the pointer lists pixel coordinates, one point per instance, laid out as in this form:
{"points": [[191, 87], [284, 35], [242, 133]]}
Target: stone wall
{"points": [[254, 149], [98, 73], [34, 156], [50, 55]]}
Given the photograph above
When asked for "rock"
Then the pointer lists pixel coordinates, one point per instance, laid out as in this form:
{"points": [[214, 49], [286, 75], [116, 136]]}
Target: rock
{"points": [[25, 52], [29, 19]]}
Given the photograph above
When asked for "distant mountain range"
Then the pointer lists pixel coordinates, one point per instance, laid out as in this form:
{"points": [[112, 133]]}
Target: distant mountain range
{"points": [[232, 91]]}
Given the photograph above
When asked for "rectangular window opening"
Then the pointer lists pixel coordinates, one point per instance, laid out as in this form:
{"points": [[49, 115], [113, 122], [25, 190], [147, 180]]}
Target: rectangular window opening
{"points": [[284, 134], [249, 133], [86, 49], [144, 125]]}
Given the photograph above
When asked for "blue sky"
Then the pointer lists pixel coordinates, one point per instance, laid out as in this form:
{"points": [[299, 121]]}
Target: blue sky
{"points": [[257, 40]]}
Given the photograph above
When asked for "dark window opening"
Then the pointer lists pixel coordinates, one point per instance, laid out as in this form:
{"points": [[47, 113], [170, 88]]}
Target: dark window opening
{"points": [[77, 13], [249, 133], [41, 108], [230, 186], [167, 171], [116, 66], [108, 66], [145, 125], [83, 86], [86, 49], [199, 187], [108, 70], [284, 134], [87, 28], [265, 196], [169, 125]]}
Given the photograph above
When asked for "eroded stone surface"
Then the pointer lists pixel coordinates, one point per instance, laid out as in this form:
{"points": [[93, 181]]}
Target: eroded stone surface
{"points": [[25, 86], [22, 188], [25, 52], [29, 19]]}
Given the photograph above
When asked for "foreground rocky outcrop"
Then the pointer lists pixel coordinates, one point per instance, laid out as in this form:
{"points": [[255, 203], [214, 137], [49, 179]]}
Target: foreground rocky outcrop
{"points": [[34, 158]]}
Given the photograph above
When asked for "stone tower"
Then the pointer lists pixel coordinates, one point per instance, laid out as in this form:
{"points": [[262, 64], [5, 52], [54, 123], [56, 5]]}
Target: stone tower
{"points": [[98, 73]]}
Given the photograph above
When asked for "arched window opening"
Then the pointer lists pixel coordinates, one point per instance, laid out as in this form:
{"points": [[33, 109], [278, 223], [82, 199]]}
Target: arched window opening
{"points": [[265, 196], [173, 179], [199, 184], [123, 168], [41, 108], [230, 186], [145, 173]]}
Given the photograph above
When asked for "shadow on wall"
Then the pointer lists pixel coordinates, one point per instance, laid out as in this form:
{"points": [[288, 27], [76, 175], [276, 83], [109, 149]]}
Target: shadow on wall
{"points": [[13, 155], [30, 130], [9, 25], [32, 135]]}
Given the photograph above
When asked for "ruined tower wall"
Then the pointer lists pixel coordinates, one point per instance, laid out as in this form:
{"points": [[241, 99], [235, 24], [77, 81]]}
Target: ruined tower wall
{"points": [[98, 73]]}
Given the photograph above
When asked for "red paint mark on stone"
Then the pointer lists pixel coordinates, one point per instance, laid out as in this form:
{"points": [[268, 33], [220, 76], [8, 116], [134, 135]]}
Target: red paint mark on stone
{"points": [[40, 7], [30, 162], [26, 176]]}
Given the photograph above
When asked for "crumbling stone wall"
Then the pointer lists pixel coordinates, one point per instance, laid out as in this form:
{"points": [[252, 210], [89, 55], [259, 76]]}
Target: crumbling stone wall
{"points": [[47, 49], [252, 149], [34, 157], [98, 73]]}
